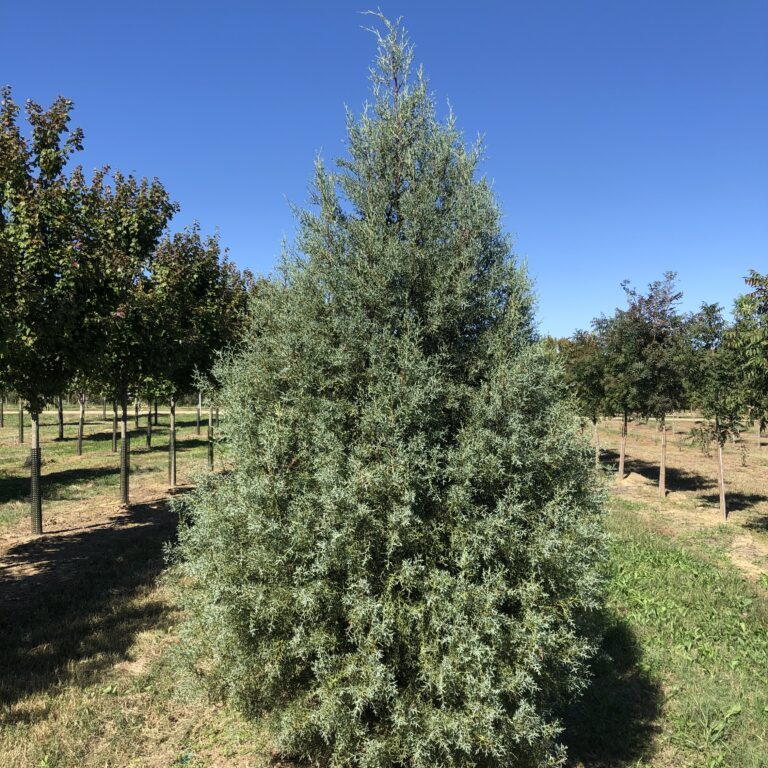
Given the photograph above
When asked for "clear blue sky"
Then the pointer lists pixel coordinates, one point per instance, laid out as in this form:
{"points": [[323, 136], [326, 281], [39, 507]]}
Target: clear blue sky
{"points": [[624, 137]]}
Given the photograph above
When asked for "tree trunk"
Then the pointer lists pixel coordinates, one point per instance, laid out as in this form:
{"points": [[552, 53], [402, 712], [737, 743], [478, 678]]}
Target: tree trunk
{"points": [[721, 481], [36, 501], [623, 449], [21, 422], [210, 437], [81, 423], [217, 418], [114, 426], [199, 409], [155, 411], [136, 413], [663, 463], [172, 446], [104, 408], [60, 406], [149, 424], [125, 452], [757, 432], [597, 444], [2, 411]]}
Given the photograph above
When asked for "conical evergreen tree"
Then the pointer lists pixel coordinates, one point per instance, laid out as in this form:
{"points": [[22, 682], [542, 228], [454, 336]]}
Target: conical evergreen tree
{"points": [[398, 570]]}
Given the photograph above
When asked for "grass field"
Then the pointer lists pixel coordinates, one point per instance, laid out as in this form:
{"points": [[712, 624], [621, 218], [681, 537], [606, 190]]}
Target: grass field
{"points": [[86, 617]]}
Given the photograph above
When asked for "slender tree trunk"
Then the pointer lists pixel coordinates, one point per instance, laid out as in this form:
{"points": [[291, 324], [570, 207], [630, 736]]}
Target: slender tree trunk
{"points": [[597, 444], [155, 411], [114, 426], [81, 423], [36, 501], [2, 410], [149, 424], [60, 407], [623, 449], [172, 446], [136, 413], [217, 417], [125, 452], [721, 480], [663, 463], [199, 409], [21, 422], [757, 432], [104, 408], [210, 437]]}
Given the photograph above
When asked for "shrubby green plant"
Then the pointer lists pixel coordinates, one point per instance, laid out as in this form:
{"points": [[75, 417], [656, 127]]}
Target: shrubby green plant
{"points": [[401, 567]]}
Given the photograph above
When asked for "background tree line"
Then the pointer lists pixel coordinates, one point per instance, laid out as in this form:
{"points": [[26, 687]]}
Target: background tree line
{"points": [[648, 360], [96, 295]]}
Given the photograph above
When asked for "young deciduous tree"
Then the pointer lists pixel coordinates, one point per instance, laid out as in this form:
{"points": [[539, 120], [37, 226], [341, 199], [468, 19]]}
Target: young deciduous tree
{"points": [[663, 352], [621, 336], [398, 568], [584, 363], [128, 220], [195, 293], [749, 335], [644, 348], [44, 307], [715, 383]]}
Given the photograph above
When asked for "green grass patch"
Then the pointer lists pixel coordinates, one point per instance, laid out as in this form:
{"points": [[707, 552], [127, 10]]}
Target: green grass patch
{"points": [[70, 478], [682, 678]]}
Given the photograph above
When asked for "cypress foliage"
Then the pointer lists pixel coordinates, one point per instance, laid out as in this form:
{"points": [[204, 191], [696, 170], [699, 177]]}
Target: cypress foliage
{"points": [[399, 568]]}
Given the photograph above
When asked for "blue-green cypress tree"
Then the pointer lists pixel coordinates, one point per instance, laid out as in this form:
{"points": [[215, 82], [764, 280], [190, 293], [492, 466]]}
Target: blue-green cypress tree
{"points": [[399, 567]]}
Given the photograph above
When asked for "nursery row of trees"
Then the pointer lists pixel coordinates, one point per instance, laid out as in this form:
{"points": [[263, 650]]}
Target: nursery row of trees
{"points": [[96, 296], [648, 360]]}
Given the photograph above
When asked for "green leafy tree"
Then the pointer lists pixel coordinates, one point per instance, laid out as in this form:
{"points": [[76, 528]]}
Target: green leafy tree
{"points": [[195, 295], [749, 335], [399, 568], [232, 302], [45, 271], [128, 218], [645, 349], [584, 362], [622, 336], [94, 305], [715, 384], [663, 352]]}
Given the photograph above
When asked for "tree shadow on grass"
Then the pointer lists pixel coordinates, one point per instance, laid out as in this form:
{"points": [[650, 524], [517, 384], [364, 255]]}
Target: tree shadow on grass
{"points": [[677, 479], [105, 435], [616, 721], [736, 501], [189, 423], [188, 444], [70, 603], [16, 487]]}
